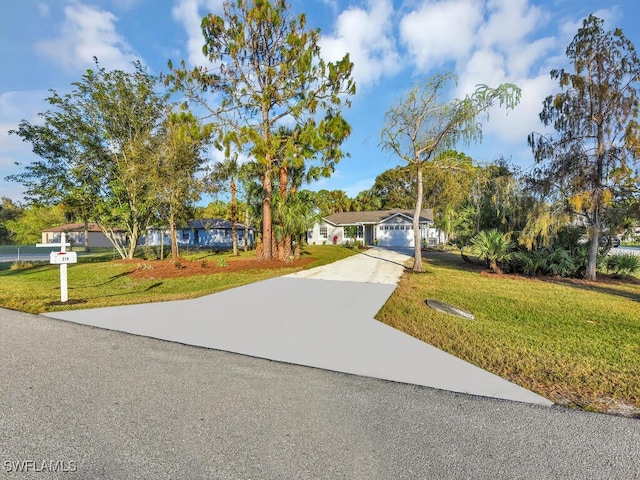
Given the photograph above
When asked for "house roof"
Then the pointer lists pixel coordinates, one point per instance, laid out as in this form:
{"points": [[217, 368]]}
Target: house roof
{"points": [[73, 227], [379, 216], [211, 223]]}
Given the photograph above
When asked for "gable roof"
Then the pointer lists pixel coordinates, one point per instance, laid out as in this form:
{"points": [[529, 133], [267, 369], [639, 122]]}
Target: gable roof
{"points": [[379, 216], [212, 223], [74, 227]]}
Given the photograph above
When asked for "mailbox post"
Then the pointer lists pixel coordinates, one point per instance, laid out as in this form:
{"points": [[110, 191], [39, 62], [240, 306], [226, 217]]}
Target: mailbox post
{"points": [[61, 258]]}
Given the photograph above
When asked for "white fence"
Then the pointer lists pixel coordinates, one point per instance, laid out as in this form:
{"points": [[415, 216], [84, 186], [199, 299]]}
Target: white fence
{"points": [[25, 253]]}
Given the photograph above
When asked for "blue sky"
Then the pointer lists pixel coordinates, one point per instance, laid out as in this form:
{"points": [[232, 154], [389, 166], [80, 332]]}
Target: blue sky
{"points": [[48, 44]]}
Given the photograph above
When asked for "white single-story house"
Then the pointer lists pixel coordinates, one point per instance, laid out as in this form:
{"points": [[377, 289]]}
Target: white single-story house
{"points": [[386, 228], [75, 235], [204, 233]]}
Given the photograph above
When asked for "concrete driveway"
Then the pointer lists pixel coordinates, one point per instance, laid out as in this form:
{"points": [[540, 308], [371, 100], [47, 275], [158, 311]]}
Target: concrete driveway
{"points": [[326, 320]]}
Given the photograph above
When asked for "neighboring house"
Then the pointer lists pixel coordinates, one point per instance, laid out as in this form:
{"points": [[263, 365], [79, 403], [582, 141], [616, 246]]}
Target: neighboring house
{"points": [[204, 233], [387, 228], [75, 235]]}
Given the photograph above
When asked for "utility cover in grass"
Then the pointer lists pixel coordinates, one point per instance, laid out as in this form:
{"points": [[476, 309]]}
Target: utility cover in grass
{"points": [[450, 309]]}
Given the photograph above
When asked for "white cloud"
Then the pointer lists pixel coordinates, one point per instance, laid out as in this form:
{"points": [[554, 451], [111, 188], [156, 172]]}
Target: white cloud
{"points": [[513, 126], [363, 33], [491, 52], [510, 21], [86, 33], [438, 32], [189, 13], [366, 34]]}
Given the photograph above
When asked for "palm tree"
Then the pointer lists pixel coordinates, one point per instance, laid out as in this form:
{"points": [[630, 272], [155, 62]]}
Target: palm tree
{"points": [[492, 246], [297, 215], [229, 171]]}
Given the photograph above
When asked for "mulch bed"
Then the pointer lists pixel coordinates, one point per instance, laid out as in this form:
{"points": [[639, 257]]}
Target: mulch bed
{"points": [[152, 269]]}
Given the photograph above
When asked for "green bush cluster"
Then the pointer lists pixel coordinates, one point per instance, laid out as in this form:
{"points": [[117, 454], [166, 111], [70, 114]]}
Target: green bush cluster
{"points": [[553, 260], [221, 262], [622, 265], [358, 245], [566, 258]]}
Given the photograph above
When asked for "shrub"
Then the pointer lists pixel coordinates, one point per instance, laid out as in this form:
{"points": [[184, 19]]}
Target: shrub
{"points": [[560, 261], [221, 262], [527, 262], [554, 260], [21, 265], [623, 264], [493, 247], [580, 258]]}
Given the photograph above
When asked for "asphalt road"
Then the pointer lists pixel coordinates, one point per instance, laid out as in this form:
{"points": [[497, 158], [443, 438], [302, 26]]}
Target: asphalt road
{"points": [[104, 404]]}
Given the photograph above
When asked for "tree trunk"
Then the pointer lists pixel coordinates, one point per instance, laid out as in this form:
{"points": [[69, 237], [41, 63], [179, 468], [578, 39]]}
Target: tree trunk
{"points": [[594, 229], [133, 241], [592, 255], [259, 249], [296, 249], [287, 253], [493, 265], [417, 244], [274, 246], [86, 235], [175, 254], [280, 250], [246, 228], [284, 250], [234, 218], [114, 239], [267, 225]]}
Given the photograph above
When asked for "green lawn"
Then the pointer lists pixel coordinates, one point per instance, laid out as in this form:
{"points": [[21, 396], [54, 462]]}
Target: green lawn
{"points": [[97, 282], [576, 343]]}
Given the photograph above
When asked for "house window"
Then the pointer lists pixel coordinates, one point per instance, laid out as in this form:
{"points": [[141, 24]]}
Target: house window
{"points": [[323, 232], [185, 235], [359, 231]]}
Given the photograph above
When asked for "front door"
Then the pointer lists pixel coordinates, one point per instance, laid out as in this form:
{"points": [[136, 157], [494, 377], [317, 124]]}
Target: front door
{"points": [[368, 234]]}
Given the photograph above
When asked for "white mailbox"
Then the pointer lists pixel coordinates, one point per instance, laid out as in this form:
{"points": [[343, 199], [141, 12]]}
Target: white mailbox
{"points": [[61, 258]]}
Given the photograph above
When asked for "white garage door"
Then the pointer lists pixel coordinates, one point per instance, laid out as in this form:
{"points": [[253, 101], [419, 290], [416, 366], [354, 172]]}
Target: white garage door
{"points": [[395, 236]]}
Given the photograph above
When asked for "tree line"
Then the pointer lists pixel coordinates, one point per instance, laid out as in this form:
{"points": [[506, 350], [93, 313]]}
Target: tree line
{"points": [[120, 151]]}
